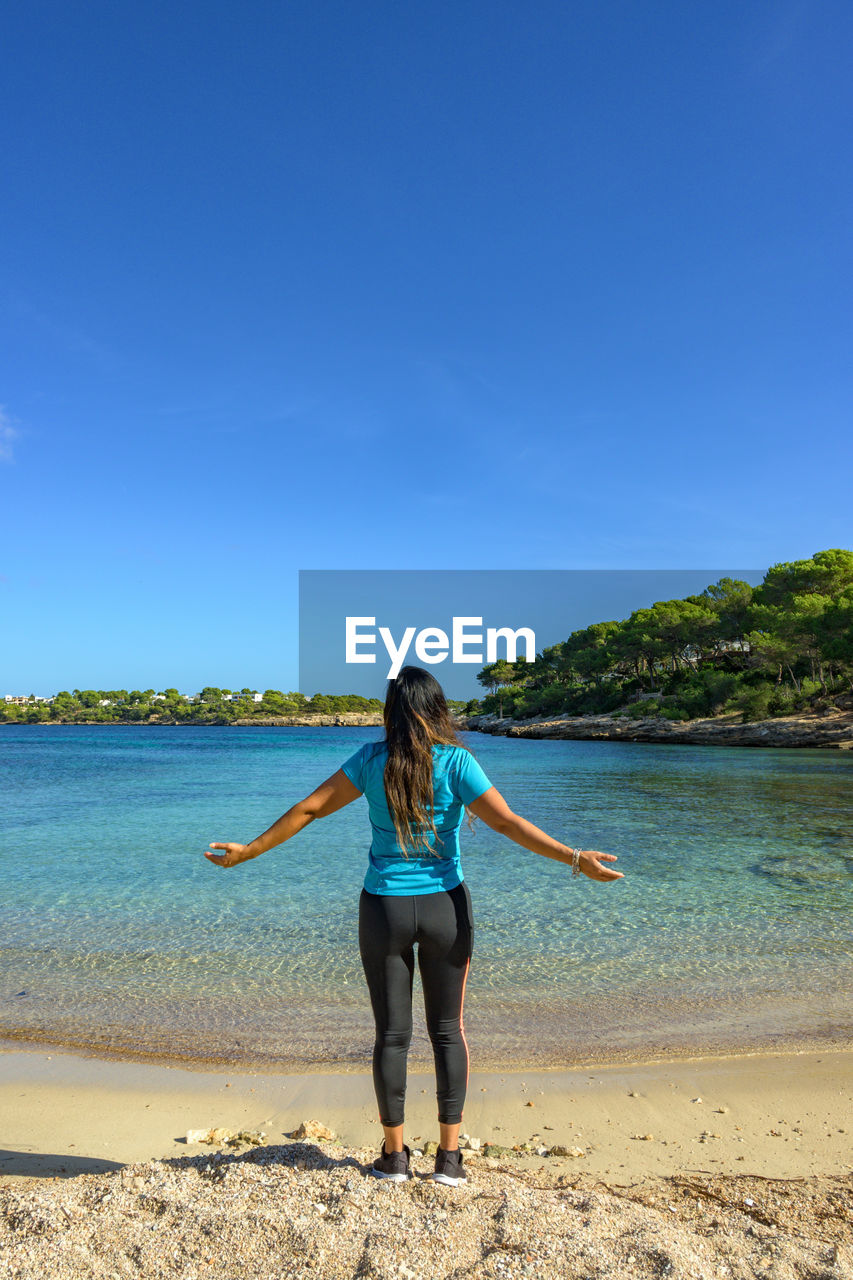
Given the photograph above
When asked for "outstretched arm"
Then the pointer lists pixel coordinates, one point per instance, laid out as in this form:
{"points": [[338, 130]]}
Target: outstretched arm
{"points": [[496, 813], [330, 796]]}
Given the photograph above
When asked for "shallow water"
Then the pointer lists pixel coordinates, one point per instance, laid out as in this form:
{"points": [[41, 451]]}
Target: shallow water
{"points": [[733, 924]]}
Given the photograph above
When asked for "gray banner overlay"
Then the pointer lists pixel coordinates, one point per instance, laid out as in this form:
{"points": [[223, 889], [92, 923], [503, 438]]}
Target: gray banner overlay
{"points": [[358, 626]]}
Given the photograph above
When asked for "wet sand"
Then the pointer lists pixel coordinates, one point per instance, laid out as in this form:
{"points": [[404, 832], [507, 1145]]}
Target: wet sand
{"points": [[782, 1114]]}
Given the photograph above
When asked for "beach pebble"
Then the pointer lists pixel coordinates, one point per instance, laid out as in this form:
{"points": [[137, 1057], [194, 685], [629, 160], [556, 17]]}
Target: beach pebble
{"points": [[721, 1110], [574, 1152], [530, 1104], [326, 1219], [208, 1135], [314, 1131], [245, 1135], [643, 1137]]}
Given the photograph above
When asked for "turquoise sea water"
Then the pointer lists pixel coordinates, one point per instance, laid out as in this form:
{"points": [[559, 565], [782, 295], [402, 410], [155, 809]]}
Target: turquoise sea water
{"points": [[733, 925]]}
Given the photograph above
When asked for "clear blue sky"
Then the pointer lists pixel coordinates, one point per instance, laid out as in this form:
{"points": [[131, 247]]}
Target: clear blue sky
{"points": [[377, 285]]}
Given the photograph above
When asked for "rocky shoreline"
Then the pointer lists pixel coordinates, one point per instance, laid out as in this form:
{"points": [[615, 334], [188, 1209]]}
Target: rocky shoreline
{"points": [[366, 719], [829, 728], [832, 728]]}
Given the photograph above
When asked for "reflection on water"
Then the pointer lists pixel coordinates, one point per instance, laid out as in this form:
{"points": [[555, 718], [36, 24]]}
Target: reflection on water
{"points": [[734, 919]]}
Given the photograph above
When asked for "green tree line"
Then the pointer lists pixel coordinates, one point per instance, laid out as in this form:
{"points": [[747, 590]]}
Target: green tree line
{"points": [[146, 706], [762, 651]]}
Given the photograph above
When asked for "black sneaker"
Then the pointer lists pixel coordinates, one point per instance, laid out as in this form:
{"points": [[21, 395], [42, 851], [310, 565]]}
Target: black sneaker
{"points": [[395, 1168], [448, 1168]]}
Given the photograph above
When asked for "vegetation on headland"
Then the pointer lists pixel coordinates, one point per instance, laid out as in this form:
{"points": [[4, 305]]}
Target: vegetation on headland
{"points": [[772, 650]]}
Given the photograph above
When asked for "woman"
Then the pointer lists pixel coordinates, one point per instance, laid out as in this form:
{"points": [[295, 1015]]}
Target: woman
{"points": [[417, 783]]}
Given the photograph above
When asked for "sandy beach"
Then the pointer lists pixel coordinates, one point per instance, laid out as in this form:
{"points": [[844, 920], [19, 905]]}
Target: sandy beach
{"points": [[705, 1166], [781, 1114]]}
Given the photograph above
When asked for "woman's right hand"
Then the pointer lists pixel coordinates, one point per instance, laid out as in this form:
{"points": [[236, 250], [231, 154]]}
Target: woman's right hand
{"points": [[590, 864], [232, 857]]}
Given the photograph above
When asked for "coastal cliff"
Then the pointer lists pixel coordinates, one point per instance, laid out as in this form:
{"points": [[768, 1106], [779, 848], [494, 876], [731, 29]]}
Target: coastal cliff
{"points": [[830, 728]]}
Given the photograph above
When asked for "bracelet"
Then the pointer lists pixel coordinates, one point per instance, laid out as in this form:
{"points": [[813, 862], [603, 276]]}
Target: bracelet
{"points": [[576, 862]]}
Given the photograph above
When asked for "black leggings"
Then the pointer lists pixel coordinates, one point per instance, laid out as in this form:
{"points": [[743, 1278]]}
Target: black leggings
{"points": [[388, 927]]}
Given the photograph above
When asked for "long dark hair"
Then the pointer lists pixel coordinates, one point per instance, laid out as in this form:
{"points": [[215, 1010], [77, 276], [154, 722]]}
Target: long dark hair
{"points": [[416, 719]]}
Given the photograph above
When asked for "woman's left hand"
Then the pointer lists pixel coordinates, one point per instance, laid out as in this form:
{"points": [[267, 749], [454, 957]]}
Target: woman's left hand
{"points": [[233, 854]]}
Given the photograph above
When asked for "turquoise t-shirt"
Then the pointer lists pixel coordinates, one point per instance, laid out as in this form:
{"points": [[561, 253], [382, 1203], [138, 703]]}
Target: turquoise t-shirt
{"points": [[457, 781]]}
